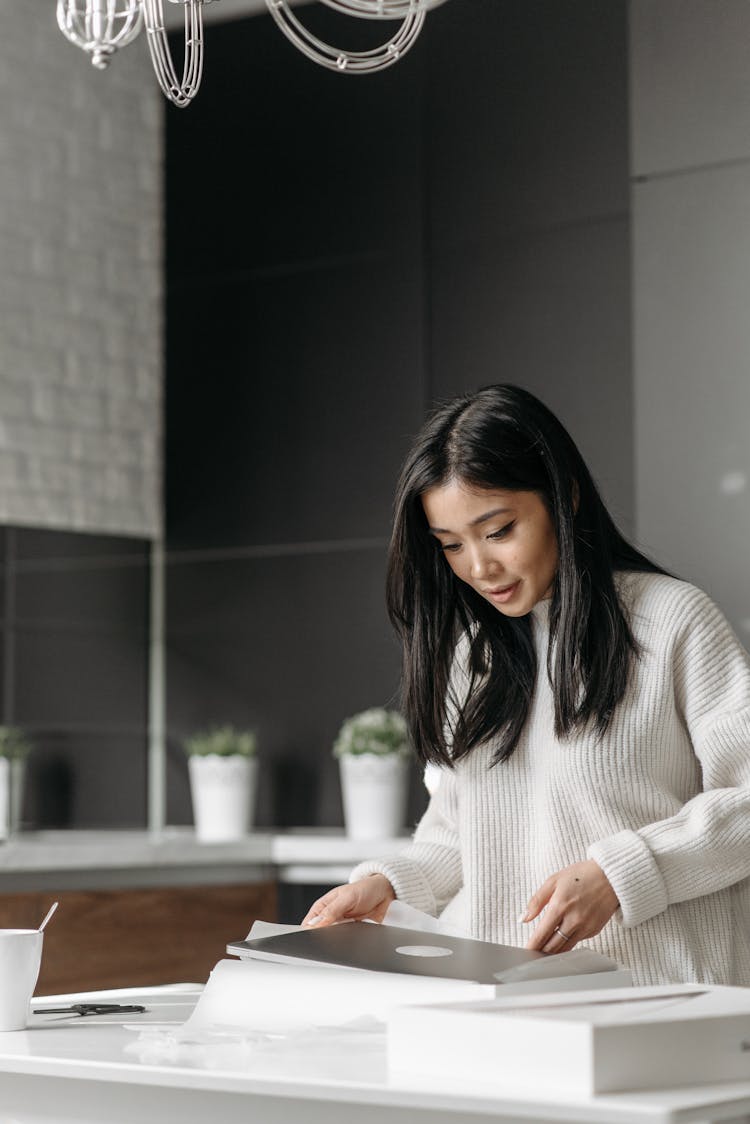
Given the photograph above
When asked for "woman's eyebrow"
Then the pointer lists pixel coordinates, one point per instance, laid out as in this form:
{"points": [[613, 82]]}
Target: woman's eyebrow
{"points": [[474, 522], [489, 515]]}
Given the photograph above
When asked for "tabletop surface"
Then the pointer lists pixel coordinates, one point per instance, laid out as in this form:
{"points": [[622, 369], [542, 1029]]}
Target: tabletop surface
{"points": [[323, 1064]]}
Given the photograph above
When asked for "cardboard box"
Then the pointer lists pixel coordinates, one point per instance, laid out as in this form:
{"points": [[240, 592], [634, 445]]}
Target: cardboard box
{"points": [[583, 1043]]}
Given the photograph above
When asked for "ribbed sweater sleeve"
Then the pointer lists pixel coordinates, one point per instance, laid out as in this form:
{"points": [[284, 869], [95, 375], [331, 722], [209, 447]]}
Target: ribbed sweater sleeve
{"points": [[428, 873], [705, 846]]}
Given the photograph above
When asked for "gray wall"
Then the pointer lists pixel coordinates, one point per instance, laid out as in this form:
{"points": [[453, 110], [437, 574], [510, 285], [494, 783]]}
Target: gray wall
{"points": [[691, 285], [81, 292], [362, 248], [527, 189], [82, 283]]}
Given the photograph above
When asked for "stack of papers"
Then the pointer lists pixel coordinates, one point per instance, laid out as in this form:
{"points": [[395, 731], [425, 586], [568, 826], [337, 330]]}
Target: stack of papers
{"points": [[263, 997]]}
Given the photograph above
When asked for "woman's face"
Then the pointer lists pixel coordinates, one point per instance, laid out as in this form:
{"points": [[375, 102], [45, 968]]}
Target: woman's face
{"points": [[501, 543]]}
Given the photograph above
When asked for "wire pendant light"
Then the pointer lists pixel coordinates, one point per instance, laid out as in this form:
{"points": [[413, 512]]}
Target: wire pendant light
{"points": [[381, 9], [179, 92], [101, 27], [350, 62]]}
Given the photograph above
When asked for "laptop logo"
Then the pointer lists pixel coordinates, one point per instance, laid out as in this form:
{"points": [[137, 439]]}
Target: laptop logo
{"points": [[424, 950]]}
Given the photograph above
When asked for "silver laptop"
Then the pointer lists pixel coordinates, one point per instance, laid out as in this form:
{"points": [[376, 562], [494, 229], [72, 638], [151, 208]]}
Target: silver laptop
{"points": [[387, 948]]}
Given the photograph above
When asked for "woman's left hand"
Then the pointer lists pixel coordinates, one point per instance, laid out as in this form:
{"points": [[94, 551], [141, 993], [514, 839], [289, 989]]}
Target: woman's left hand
{"points": [[577, 902]]}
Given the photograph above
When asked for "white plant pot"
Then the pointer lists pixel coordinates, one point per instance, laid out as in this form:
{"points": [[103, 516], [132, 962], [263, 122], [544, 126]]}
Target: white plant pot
{"points": [[17, 776], [223, 793], [12, 774], [4, 798], [373, 789]]}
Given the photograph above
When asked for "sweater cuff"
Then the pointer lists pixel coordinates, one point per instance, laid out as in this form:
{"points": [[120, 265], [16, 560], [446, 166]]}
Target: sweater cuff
{"points": [[409, 885], [634, 875]]}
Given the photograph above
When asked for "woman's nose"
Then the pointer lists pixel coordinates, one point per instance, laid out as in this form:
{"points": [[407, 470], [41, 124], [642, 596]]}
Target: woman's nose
{"points": [[481, 564]]}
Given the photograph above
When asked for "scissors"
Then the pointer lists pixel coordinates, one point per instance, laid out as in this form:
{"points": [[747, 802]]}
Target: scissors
{"points": [[89, 1009]]}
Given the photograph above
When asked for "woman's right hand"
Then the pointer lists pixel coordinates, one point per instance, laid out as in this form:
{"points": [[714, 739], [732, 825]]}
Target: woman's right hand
{"points": [[368, 898]]}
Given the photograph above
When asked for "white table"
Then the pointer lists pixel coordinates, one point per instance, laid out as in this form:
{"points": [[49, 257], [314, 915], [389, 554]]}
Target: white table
{"points": [[84, 1071]]}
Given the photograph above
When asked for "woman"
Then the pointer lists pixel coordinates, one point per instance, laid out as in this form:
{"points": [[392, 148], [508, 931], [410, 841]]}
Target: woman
{"points": [[590, 714]]}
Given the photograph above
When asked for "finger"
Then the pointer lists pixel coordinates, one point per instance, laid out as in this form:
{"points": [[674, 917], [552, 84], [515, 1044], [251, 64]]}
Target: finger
{"points": [[316, 908], [314, 916], [545, 930], [562, 940], [321, 908], [313, 919], [345, 903], [319, 904], [538, 901]]}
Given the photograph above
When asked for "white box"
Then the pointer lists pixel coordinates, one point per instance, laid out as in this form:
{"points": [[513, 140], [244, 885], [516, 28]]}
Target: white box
{"points": [[584, 1043]]}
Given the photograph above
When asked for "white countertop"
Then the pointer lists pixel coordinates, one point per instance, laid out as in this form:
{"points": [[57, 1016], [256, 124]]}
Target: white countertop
{"points": [[85, 859], [64, 1069]]}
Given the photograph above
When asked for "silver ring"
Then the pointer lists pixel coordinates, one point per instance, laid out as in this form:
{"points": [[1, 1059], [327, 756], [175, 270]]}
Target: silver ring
{"points": [[564, 936]]}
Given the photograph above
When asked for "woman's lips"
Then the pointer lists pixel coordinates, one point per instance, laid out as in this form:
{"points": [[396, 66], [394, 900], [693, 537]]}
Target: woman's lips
{"points": [[502, 593]]}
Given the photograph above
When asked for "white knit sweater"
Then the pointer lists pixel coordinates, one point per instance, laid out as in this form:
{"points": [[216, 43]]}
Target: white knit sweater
{"points": [[662, 803]]}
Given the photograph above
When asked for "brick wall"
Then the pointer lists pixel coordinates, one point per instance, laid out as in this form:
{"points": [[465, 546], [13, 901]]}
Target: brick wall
{"points": [[80, 282]]}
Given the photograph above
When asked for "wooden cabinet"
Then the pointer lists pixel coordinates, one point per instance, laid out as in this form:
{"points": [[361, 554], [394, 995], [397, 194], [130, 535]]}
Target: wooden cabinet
{"points": [[135, 937]]}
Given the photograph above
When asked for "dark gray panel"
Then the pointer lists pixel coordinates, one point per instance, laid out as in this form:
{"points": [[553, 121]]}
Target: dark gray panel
{"points": [[89, 779], [527, 114], [79, 663], [551, 312], [30, 544], [64, 677], [290, 402], [112, 595], [283, 161], [289, 646]]}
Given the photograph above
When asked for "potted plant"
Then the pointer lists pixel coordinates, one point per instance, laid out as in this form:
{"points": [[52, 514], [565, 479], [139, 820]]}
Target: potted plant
{"points": [[222, 766], [15, 747], [373, 749]]}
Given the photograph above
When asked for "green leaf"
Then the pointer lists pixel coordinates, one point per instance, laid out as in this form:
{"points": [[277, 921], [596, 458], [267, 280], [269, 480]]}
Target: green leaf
{"points": [[376, 730], [223, 741]]}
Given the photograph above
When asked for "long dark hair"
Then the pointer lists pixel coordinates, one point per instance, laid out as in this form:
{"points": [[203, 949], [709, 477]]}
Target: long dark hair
{"points": [[502, 437]]}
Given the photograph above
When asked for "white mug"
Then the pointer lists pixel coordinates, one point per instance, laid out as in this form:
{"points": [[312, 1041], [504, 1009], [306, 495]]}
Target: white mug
{"points": [[20, 960]]}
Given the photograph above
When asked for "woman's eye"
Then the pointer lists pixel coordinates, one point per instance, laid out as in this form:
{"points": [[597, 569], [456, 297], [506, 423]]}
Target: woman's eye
{"points": [[503, 531], [451, 546]]}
